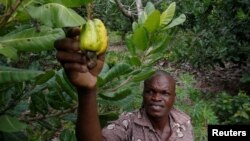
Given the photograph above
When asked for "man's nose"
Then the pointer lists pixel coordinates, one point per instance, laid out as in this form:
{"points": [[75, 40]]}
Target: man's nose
{"points": [[156, 97]]}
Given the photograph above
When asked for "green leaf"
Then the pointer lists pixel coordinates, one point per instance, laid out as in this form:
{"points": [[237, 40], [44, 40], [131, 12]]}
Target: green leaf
{"points": [[168, 14], [31, 40], [56, 98], [4, 2], [42, 78], [128, 100], [39, 103], [66, 135], [140, 39], [65, 86], [70, 3], [21, 15], [245, 78], [135, 26], [117, 71], [135, 61], [152, 58], [17, 136], [106, 117], [116, 96], [9, 52], [45, 124], [130, 45], [105, 69], [161, 44], [153, 20], [149, 8], [56, 15], [142, 18], [8, 75], [100, 79], [143, 75], [11, 124], [181, 19]]}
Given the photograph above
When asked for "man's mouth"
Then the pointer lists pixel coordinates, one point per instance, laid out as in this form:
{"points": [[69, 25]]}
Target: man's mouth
{"points": [[156, 106]]}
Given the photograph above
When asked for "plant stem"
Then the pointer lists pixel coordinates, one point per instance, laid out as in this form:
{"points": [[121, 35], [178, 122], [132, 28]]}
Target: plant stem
{"points": [[10, 11], [11, 104], [57, 114], [89, 8], [122, 84]]}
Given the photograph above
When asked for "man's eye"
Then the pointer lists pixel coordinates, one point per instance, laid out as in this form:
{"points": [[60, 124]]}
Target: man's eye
{"points": [[165, 93], [149, 91]]}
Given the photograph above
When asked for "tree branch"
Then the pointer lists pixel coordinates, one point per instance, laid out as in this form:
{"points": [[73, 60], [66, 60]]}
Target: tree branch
{"points": [[139, 7], [42, 117], [158, 2], [11, 104], [10, 11], [124, 11]]}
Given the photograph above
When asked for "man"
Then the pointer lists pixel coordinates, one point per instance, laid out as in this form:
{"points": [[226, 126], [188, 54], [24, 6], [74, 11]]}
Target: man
{"points": [[157, 120]]}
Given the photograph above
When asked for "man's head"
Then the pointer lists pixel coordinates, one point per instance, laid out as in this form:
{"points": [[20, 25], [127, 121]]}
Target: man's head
{"points": [[159, 94]]}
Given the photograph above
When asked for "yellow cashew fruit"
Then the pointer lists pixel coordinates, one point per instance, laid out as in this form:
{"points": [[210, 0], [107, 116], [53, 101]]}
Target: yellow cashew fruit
{"points": [[89, 37], [94, 37], [102, 33]]}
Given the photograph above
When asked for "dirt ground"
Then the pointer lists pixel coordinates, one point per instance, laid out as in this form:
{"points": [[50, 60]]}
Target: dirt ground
{"points": [[214, 80], [218, 79]]}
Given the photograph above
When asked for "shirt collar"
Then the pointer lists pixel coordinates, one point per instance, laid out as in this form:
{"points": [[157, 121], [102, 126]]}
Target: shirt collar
{"points": [[176, 118]]}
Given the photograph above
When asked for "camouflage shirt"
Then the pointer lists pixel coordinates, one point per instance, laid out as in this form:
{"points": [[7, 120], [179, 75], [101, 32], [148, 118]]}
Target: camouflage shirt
{"points": [[135, 126]]}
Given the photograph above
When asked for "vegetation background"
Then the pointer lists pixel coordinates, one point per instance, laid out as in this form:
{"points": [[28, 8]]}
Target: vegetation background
{"points": [[204, 44]]}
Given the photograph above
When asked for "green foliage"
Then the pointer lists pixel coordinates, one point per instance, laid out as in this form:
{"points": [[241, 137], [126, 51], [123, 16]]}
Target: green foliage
{"points": [[112, 17], [67, 135], [43, 97], [69, 3], [10, 124], [191, 100], [115, 37], [120, 81], [44, 15], [168, 14], [150, 37], [233, 109], [31, 40], [245, 78], [215, 32], [10, 75], [52, 102]]}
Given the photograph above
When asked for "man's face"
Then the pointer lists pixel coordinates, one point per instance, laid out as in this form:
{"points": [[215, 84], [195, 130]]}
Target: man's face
{"points": [[159, 96]]}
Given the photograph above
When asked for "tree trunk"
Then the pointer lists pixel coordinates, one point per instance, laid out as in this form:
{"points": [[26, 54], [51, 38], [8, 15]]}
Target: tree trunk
{"points": [[128, 13], [139, 7]]}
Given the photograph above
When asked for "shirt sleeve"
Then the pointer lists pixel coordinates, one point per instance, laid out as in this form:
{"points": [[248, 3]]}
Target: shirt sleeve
{"points": [[189, 131], [118, 130]]}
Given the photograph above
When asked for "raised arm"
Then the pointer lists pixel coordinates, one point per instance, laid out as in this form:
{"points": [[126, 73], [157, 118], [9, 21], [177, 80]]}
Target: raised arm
{"points": [[84, 79]]}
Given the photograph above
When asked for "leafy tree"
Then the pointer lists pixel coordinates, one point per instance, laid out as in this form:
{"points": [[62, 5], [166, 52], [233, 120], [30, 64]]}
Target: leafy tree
{"points": [[215, 32], [37, 104]]}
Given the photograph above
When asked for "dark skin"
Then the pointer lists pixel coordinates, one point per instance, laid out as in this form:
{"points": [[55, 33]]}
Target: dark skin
{"points": [[158, 97]]}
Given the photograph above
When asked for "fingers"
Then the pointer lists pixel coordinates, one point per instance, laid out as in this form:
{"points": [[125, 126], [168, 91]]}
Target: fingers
{"points": [[99, 65], [73, 32], [101, 57], [71, 57], [67, 44], [75, 67]]}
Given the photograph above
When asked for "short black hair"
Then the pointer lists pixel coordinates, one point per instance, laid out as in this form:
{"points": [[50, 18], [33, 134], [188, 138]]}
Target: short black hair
{"points": [[157, 72]]}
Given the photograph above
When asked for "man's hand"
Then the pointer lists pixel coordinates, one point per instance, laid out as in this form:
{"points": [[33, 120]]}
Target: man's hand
{"points": [[74, 61]]}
